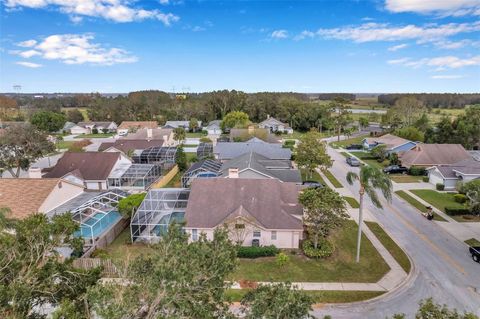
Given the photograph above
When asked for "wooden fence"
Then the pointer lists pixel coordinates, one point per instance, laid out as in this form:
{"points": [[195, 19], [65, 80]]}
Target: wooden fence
{"points": [[109, 269], [166, 178]]}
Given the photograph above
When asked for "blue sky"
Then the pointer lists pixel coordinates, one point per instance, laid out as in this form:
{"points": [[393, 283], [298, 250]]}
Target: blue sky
{"points": [[303, 46]]}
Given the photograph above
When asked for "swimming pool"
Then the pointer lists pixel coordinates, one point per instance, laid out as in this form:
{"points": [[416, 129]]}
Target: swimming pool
{"points": [[97, 224], [162, 227]]}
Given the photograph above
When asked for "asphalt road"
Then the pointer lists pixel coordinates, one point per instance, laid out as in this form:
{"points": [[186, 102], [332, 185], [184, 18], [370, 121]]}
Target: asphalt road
{"points": [[443, 268]]}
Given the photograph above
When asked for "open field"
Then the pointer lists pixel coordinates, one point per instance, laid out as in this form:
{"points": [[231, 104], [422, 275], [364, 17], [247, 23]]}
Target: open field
{"points": [[82, 110]]}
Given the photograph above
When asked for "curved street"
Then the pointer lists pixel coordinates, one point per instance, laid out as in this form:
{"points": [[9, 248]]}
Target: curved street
{"points": [[443, 268]]}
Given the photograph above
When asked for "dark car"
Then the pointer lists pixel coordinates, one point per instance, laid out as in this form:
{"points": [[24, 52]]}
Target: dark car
{"points": [[354, 147], [313, 184], [395, 169], [353, 161], [475, 251]]}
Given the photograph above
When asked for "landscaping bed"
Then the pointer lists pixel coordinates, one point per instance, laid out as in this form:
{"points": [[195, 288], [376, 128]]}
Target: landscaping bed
{"points": [[415, 203], [340, 267]]}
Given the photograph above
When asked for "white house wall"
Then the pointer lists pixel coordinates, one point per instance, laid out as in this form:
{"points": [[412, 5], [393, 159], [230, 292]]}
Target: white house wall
{"points": [[61, 193]]}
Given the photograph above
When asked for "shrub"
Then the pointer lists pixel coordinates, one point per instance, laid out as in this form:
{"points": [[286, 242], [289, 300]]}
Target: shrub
{"points": [[289, 142], [79, 145], [417, 171], [205, 140], [204, 132], [128, 205], [457, 211], [460, 198], [256, 252], [464, 188], [94, 131], [440, 187], [425, 179], [325, 249], [282, 259]]}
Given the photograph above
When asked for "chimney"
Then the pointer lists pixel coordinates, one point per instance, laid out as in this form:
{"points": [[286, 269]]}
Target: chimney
{"points": [[233, 172], [149, 133], [35, 172]]}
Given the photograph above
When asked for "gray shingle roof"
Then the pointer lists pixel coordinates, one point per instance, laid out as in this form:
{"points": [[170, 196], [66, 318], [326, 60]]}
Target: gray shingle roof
{"points": [[468, 166], [230, 150]]}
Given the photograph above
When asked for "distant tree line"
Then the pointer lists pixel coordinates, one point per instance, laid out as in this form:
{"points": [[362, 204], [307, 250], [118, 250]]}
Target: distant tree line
{"points": [[438, 100], [331, 96]]}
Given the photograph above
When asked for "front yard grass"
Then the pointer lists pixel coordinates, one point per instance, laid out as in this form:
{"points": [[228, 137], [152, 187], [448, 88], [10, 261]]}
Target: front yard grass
{"points": [[406, 178], [415, 203], [99, 135], [332, 179], [344, 143], [325, 296], [369, 159], [314, 177], [391, 245], [340, 267], [63, 144], [352, 202], [472, 242]]}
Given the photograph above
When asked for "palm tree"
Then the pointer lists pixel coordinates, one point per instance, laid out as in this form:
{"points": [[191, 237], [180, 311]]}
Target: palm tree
{"points": [[370, 179]]}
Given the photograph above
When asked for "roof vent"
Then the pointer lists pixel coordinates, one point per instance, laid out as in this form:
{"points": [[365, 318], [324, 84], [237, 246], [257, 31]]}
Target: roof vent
{"points": [[233, 172]]}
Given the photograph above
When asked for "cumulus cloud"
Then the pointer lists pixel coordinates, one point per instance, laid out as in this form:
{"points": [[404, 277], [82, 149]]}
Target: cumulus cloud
{"points": [[369, 32], [198, 28], [114, 10], [440, 7], [439, 63], [398, 47], [279, 34], [27, 44], [29, 64], [446, 77], [77, 49]]}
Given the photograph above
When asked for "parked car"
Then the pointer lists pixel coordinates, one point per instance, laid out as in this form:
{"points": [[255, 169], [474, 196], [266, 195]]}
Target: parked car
{"points": [[313, 184], [354, 147], [395, 169], [475, 251], [352, 161]]}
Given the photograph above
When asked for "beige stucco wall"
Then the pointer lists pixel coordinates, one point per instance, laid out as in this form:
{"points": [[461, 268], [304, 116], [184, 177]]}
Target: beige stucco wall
{"points": [[61, 193]]}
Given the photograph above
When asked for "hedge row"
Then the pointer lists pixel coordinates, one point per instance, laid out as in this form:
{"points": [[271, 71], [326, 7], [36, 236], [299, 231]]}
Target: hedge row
{"points": [[256, 252], [452, 211]]}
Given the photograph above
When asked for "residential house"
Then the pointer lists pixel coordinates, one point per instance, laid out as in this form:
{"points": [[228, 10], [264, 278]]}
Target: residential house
{"points": [[214, 128], [255, 211], [224, 151], [244, 134], [25, 196], [202, 169], [90, 127], [254, 165], [128, 146], [183, 124], [150, 134], [393, 143], [67, 127], [427, 155], [132, 126], [449, 175], [274, 125]]}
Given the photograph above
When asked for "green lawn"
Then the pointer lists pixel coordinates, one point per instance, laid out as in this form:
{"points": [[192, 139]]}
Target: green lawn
{"points": [[343, 143], [340, 267], [415, 203], [63, 144], [191, 156], [324, 296], [345, 154], [391, 246], [99, 135], [335, 182], [439, 200], [122, 249], [405, 178], [315, 176], [367, 158], [175, 181], [472, 242], [196, 134], [352, 202]]}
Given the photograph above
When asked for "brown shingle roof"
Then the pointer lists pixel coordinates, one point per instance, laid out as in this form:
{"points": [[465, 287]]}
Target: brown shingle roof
{"points": [[126, 145], [138, 124], [24, 196], [434, 154], [142, 134], [270, 202], [90, 165], [389, 140]]}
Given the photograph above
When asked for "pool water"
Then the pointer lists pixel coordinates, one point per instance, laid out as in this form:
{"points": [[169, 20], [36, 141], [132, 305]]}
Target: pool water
{"points": [[162, 228], [97, 224]]}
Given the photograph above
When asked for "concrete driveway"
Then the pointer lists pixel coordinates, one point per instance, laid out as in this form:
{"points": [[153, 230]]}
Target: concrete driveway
{"points": [[442, 268]]}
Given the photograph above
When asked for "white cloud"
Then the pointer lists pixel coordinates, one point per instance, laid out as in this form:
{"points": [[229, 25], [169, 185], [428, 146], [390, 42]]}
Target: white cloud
{"points": [[446, 77], [114, 10], [369, 32], [449, 45], [77, 49], [279, 34], [440, 7], [198, 28], [27, 44], [439, 63], [29, 64], [398, 47], [304, 34]]}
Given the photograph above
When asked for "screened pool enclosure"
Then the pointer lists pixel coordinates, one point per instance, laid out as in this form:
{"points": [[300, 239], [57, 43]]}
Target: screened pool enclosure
{"points": [[159, 209], [134, 176], [203, 169], [97, 215], [204, 151], [159, 155]]}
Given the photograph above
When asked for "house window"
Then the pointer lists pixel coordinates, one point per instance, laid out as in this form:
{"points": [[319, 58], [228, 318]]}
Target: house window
{"points": [[274, 235], [194, 235], [60, 185], [256, 233], [239, 226]]}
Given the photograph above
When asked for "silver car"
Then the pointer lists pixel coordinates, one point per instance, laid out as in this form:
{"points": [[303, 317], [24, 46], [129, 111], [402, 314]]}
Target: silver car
{"points": [[352, 161]]}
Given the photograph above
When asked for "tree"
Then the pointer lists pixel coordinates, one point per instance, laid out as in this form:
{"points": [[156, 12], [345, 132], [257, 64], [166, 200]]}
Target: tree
{"points": [[74, 116], [409, 109], [342, 114], [281, 300], [370, 179], [179, 134], [181, 159], [312, 152], [410, 133], [48, 121], [363, 121], [324, 210], [177, 279], [423, 123], [429, 309], [128, 205], [380, 152], [20, 146], [31, 273], [193, 124], [235, 119]]}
